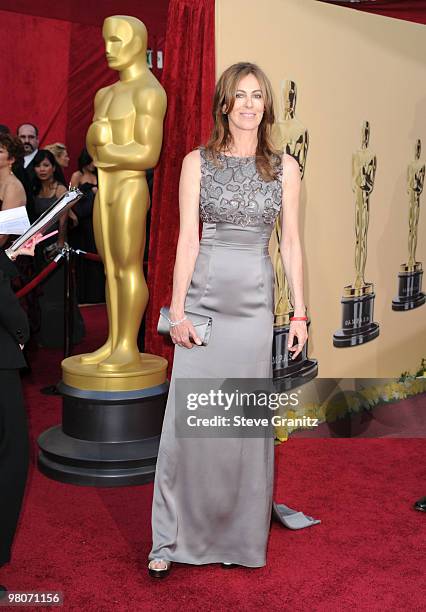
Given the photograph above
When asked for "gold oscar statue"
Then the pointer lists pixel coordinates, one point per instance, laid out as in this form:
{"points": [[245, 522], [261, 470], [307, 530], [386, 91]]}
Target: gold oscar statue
{"points": [[364, 164], [114, 398], [410, 293], [290, 136], [124, 140], [416, 179], [358, 299]]}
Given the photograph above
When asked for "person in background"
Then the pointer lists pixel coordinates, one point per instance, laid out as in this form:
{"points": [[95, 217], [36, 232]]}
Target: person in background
{"points": [[47, 188], [60, 152], [18, 169], [14, 446], [90, 274], [12, 192], [28, 135], [25, 265]]}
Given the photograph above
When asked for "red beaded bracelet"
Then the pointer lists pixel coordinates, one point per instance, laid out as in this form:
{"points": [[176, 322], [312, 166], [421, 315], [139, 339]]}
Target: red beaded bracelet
{"points": [[298, 318]]}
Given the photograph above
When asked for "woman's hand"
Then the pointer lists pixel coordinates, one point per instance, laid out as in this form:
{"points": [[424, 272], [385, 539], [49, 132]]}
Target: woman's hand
{"points": [[298, 329], [27, 248], [181, 333]]}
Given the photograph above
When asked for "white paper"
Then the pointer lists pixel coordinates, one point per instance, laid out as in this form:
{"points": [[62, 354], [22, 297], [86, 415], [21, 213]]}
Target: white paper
{"points": [[14, 221]]}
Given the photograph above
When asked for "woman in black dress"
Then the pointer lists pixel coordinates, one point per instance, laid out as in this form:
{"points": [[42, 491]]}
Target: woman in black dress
{"points": [[90, 274], [47, 188]]}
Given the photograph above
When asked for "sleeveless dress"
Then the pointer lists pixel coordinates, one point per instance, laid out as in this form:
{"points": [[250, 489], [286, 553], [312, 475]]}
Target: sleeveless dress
{"points": [[213, 496], [51, 297], [90, 274]]}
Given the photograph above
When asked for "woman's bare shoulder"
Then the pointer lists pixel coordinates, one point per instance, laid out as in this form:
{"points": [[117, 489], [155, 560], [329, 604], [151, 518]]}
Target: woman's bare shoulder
{"points": [[191, 162], [76, 176], [291, 170], [290, 162], [14, 192], [60, 189], [193, 157]]}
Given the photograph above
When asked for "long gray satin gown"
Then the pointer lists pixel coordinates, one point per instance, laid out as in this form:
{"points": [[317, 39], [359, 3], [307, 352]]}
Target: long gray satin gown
{"points": [[213, 496]]}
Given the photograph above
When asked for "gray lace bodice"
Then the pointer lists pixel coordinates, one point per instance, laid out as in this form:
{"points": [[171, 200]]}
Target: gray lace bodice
{"points": [[234, 192]]}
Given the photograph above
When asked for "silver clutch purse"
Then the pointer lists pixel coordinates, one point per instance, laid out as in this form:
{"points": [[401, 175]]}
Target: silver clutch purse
{"points": [[201, 323]]}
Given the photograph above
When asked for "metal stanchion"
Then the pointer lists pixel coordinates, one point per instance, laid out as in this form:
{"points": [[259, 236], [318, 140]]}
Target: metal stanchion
{"points": [[67, 254], [68, 301]]}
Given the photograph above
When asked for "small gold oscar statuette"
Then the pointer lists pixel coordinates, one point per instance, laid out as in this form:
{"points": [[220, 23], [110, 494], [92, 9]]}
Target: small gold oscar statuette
{"points": [[291, 137], [358, 326], [410, 293], [114, 398]]}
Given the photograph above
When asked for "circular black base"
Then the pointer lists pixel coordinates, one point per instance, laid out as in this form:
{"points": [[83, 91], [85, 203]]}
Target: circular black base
{"points": [[296, 374], [358, 326], [96, 464], [353, 337], [410, 293], [283, 366], [306, 368], [408, 303], [107, 439]]}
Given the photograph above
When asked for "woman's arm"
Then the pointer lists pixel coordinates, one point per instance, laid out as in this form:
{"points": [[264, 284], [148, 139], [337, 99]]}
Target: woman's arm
{"points": [[14, 196], [75, 179], [187, 246], [291, 250]]}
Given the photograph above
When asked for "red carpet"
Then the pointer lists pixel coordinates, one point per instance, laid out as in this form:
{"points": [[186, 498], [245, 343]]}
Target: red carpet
{"points": [[367, 554]]}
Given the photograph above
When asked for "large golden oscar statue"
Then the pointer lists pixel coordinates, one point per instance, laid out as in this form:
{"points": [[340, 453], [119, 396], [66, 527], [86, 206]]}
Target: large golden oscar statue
{"points": [[291, 137], [114, 398], [358, 326], [124, 140], [410, 293]]}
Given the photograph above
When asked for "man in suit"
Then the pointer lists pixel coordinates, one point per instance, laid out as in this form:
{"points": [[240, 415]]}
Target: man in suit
{"points": [[28, 134], [14, 446]]}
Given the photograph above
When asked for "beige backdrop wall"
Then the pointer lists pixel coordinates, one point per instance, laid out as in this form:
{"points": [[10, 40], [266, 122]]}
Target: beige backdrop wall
{"points": [[349, 66]]}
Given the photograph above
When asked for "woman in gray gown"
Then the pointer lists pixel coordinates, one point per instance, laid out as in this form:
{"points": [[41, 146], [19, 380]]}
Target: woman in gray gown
{"points": [[213, 496]]}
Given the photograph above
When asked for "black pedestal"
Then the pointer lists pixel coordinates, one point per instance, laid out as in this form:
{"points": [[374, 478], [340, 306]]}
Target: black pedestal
{"points": [[107, 439], [410, 293], [357, 321], [286, 370]]}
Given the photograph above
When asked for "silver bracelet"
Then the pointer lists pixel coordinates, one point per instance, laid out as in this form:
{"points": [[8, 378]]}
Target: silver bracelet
{"points": [[174, 323]]}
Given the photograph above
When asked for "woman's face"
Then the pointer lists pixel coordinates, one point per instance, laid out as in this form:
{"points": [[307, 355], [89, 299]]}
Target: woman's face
{"points": [[249, 104], [5, 161], [44, 170], [63, 159]]}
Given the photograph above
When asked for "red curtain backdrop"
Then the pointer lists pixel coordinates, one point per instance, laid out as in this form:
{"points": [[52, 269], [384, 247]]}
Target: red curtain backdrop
{"points": [[34, 56], [410, 10], [52, 62], [189, 80]]}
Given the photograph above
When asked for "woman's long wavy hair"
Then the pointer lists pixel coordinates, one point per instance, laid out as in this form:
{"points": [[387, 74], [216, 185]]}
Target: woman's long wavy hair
{"points": [[267, 157]]}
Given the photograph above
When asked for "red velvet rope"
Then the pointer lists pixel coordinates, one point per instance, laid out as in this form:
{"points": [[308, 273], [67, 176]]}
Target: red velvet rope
{"points": [[92, 256], [37, 279]]}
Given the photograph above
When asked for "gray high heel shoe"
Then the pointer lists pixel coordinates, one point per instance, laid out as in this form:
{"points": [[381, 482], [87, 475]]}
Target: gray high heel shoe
{"points": [[292, 519]]}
